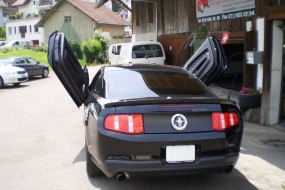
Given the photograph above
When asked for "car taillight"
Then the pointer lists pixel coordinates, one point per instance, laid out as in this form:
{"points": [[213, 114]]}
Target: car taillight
{"points": [[125, 123], [165, 62], [223, 121]]}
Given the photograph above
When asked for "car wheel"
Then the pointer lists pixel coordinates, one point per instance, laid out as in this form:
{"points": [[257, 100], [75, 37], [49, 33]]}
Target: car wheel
{"points": [[1, 82], [91, 168], [16, 84], [45, 73]]}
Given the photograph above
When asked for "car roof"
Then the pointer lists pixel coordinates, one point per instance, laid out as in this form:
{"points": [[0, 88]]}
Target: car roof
{"points": [[141, 43]]}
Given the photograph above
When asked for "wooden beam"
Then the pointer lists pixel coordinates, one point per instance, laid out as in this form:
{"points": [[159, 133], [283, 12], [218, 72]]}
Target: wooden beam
{"points": [[276, 15], [125, 5]]}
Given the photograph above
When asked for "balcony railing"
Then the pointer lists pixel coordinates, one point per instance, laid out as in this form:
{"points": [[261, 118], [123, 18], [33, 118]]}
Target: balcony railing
{"points": [[44, 4]]}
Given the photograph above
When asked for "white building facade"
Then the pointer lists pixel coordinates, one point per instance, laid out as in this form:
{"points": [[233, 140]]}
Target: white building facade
{"points": [[23, 28]]}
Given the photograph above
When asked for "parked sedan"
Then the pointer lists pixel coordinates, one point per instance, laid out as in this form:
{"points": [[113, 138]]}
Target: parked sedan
{"points": [[152, 120], [32, 66], [12, 75]]}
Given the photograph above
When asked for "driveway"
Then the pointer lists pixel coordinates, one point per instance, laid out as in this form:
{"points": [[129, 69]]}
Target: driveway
{"points": [[42, 147]]}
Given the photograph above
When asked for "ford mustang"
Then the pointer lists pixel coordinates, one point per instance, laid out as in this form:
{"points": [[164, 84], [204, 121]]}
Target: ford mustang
{"points": [[152, 120]]}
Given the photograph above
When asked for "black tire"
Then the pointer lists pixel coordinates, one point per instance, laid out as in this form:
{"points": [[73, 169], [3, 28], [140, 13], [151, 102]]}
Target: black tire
{"points": [[1, 82], [45, 73], [91, 169], [16, 84]]}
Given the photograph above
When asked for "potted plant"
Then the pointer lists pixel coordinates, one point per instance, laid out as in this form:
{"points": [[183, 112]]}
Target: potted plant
{"points": [[249, 98]]}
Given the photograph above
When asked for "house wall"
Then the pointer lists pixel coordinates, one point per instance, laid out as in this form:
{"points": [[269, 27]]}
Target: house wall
{"points": [[116, 33], [145, 30], [83, 25], [29, 8], [33, 35]]}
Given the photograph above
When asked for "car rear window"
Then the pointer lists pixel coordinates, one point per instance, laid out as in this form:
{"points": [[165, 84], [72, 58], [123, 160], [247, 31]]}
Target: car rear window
{"points": [[151, 50], [131, 84]]}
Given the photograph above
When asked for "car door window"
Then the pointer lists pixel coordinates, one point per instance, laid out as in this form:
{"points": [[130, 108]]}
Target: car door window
{"points": [[32, 61], [23, 61]]}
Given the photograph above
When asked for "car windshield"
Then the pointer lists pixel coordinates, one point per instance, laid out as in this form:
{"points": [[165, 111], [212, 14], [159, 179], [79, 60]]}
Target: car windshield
{"points": [[192, 44], [132, 84]]}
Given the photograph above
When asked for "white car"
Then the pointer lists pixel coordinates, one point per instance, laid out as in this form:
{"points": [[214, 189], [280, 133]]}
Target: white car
{"points": [[12, 75], [143, 52]]}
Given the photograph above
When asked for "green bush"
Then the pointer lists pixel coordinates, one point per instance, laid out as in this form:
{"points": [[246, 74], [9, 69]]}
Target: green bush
{"points": [[40, 48], [105, 42], [75, 46], [6, 49], [98, 35], [18, 15], [91, 50]]}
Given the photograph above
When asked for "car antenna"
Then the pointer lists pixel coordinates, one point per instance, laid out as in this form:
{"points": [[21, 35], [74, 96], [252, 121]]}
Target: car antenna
{"points": [[232, 87]]}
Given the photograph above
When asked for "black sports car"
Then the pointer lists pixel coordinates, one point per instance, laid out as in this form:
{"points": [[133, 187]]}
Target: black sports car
{"points": [[32, 66], [151, 120]]}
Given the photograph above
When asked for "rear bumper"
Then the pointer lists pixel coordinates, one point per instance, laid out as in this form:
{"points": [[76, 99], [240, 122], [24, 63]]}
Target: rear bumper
{"points": [[155, 168]]}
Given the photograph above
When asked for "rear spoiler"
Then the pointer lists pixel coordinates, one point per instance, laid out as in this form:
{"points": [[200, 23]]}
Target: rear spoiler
{"points": [[168, 101]]}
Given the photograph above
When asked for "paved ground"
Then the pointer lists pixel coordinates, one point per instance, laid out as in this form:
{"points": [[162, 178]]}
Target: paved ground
{"points": [[42, 147]]}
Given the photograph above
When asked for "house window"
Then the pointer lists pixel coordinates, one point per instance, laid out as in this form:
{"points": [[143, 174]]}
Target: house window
{"points": [[9, 30], [137, 15], [150, 12], [31, 28], [67, 19], [22, 30], [36, 29], [15, 30]]}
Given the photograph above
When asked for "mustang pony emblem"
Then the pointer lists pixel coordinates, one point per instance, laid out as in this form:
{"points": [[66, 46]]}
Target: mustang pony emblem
{"points": [[179, 122]]}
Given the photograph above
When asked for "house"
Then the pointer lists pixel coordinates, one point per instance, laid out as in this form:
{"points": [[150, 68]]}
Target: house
{"points": [[22, 27], [5, 10], [79, 20]]}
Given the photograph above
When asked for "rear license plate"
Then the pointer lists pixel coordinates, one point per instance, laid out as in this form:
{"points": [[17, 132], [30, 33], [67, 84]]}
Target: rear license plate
{"points": [[23, 76], [180, 154]]}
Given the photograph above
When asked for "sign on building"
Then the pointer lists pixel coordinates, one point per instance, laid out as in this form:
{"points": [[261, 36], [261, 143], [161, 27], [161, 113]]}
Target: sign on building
{"points": [[213, 10]]}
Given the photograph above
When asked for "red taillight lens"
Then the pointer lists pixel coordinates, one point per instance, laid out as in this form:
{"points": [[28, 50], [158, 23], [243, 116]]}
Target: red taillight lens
{"points": [[223, 121], [127, 123]]}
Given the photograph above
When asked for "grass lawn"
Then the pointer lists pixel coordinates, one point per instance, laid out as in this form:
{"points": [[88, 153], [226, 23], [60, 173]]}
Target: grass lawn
{"points": [[39, 56]]}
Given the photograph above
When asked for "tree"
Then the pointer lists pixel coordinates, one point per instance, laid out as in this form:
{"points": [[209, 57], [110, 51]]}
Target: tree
{"points": [[116, 7], [2, 32], [104, 40]]}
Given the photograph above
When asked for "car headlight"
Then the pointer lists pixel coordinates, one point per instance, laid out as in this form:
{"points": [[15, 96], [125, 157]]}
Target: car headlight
{"points": [[10, 72]]}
